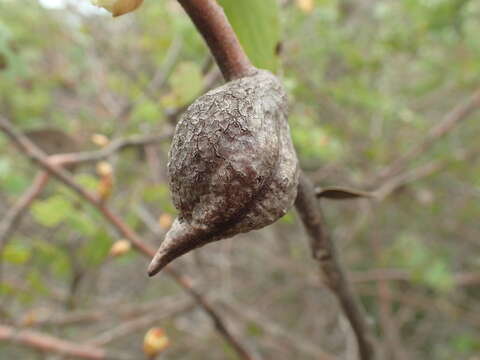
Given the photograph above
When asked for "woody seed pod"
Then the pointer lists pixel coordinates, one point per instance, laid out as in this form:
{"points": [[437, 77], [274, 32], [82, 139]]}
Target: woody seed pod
{"points": [[232, 167]]}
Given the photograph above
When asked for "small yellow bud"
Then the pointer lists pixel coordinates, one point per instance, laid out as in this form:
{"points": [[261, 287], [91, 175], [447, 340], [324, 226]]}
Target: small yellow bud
{"points": [[100, 140], [155, 341], [120, 247], [30, 318], [165, 221], [105, 186], [104, 168], [306, 6], [118, 7]]}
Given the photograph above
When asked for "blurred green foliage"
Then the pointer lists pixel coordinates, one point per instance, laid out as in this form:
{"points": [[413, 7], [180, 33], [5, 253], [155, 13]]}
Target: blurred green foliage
{"points": [[186, 84], [367, 80]]}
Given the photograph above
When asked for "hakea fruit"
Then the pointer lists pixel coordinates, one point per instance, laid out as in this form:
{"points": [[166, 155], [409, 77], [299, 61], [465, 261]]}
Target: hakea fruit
{"points": [[232, 166], [118, 7]]}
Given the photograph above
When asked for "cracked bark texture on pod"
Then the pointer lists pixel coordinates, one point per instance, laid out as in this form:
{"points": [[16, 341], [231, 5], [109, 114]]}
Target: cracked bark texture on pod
{"points": [[232, 166]]}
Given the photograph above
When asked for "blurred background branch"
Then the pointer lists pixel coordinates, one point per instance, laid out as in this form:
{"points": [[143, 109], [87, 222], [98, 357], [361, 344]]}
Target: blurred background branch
{"points": [[373, 85], [55, 169]]}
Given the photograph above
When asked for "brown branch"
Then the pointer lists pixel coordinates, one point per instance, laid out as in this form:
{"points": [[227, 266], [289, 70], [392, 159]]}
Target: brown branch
{"points": [[406, 177], [386, 274], [324, 252], [459, 113], [49, 343], [36, 155], [214, 316], [111, 310], [212, 23], [114, 146], [422, 171], [385, 189], [390, 327], [428, 304], [137, 324], [14, 214], [283, 336], [390, 185]]}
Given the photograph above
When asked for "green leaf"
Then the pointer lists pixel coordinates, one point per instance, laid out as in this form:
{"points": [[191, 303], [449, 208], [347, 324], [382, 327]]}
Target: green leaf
{"points": [[186, 83], [87, 181], [288, 218], [52, 257], [160, 195], [12, 183], [7, 289], [428, 266], [148, 111], [16, 253], [52, 211], [254, 330], [95, 250], [438, 276], [340, 193], [258, 28], [82, 223], [316, 144], [466, 343], [36, 283], [5, 168]]}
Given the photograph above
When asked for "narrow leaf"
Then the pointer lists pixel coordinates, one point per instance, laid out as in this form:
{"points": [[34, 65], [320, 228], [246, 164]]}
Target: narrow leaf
{"points": [[258, 28], [339, 193]]}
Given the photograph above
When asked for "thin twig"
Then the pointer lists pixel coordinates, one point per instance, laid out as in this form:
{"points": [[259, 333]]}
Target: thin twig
{"points": [[386, 274], [459, 113], [11, 219], [139, 323], [110, 310], [110, 149], [275, 330], [49, 343], [395, 348], [36, 155], [15, 213], [391, 184], [214, 316], [161, 76], [324, 252], [406, 177]]}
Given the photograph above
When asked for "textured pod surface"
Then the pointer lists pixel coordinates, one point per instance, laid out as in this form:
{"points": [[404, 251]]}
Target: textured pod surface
{"points": [[232, 166]]}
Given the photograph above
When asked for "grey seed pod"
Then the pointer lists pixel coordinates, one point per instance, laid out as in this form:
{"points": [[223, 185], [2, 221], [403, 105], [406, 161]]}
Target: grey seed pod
{"points": [[232, 166]]}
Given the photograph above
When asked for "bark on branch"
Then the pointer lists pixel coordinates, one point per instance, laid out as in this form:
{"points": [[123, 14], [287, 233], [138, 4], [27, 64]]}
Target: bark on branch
{"points": [[39, 157], [323, 251], [212, 23], [47, 343], [458, 114]]}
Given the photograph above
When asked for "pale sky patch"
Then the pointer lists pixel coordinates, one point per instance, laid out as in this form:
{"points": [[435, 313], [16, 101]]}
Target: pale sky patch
{"points": [[85, 6]]}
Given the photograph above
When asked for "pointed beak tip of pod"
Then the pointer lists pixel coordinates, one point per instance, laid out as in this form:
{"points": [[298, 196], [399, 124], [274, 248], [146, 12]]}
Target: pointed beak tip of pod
{"points": [[156, 265]]}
